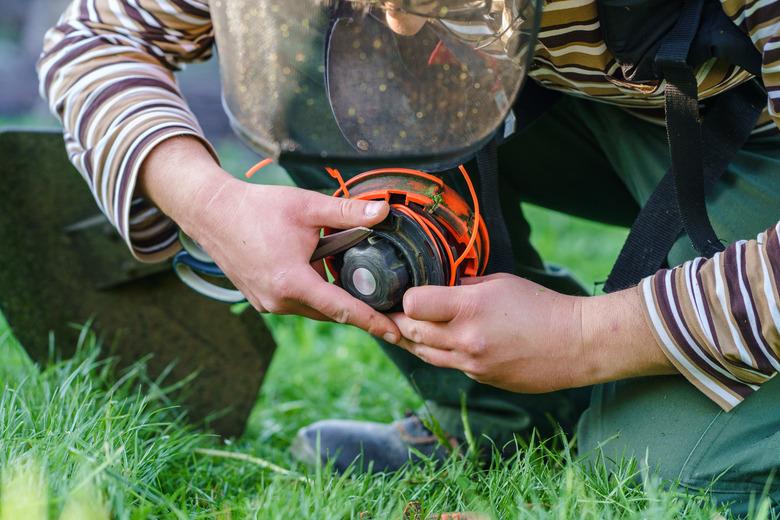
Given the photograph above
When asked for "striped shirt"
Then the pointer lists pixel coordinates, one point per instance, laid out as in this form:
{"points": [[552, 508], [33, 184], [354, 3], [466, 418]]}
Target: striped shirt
{"points": [[107, 70]]}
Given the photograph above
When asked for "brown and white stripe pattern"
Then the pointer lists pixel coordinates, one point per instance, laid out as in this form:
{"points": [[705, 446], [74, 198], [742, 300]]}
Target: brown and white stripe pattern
{"points": [[107, 71], [718, 319], [571, 56]]}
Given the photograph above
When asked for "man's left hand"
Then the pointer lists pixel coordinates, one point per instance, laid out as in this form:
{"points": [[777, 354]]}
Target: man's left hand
{"points": [[510, 333]]}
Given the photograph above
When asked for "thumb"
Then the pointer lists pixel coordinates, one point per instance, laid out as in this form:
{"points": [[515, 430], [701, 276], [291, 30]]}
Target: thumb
{"points": [[339, 213], [475, 280]]}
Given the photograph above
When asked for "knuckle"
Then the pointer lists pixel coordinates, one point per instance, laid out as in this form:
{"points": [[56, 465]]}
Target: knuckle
{"points": [[341, 315], [420, 353], [437, 362], [469, 303], [310, 209], [281, 285], [415, 333], [430, 356], [475, 369], [307, 210], [275, 306], [343, 207], [476, 345], [257, 305], [478, 378], [372, 324]]}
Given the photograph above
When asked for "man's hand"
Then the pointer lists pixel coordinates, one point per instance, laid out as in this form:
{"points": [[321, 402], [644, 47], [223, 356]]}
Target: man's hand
{"points": [[508, 332], [262, 237]]}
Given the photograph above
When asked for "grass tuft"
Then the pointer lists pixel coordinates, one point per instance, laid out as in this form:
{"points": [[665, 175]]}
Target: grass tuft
{"points": [[80, 440]]}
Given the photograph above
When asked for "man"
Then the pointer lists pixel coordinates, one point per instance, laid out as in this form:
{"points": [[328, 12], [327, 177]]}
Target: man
{"points": [[107, 72]]}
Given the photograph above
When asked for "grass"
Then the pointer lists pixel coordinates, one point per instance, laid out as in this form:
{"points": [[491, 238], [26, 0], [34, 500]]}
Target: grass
{"points": [[77, 437], [78, 440]]}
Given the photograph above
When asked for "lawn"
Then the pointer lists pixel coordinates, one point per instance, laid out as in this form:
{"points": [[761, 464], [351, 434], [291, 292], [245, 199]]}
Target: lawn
{"points": [[79, 441]]}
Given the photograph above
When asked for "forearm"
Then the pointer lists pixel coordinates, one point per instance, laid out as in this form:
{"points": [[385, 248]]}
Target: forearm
{"points": [[110, 80], [617, 340], [179, 176]]}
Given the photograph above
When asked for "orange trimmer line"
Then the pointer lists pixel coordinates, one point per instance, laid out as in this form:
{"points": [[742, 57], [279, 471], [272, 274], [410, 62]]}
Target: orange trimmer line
{"points": [[257, 167], [428, 228], [477, 218], [333, 172]]}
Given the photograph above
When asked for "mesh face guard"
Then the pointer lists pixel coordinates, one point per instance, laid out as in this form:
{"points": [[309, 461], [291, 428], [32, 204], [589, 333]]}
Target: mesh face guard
{"points": [[309, 79]]}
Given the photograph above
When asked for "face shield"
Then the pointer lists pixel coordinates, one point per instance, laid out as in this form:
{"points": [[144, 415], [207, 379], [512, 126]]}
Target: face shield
{"points": [[314, 80]]}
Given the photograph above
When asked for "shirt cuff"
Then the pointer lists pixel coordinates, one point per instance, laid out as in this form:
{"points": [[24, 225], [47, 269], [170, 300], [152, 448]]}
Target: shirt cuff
{"points": [[678, 312], [149, 233]]}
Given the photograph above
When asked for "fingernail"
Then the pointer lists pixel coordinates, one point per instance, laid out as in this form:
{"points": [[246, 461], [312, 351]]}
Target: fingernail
{"points": [[373, 209], [390, 338]]}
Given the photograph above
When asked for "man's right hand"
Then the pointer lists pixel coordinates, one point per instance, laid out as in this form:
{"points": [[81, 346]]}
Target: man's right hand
{"points": [[262, 237]]}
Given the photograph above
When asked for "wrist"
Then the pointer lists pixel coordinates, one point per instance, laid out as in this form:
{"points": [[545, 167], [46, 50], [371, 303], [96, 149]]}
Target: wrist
{"points": [[594, 333], [176, 176], [617, 341]]}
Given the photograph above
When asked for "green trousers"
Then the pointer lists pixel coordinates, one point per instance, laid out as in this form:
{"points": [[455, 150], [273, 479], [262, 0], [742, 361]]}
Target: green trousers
{"points": [[597, 161]]}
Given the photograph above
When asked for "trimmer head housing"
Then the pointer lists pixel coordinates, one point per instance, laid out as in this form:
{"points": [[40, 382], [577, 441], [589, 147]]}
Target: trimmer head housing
{"points": [[431, 237]]}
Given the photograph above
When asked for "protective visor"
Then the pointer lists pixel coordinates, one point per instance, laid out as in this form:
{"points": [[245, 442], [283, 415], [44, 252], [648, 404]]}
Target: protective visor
{"points": [[310, 79]]}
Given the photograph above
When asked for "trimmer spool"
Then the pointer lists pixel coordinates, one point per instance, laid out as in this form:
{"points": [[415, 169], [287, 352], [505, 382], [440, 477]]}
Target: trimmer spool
{"points": [[431, 237]]}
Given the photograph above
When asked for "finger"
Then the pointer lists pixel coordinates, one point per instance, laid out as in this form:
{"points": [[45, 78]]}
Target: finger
{"points": [[432, 334], [434, 356], [337, 304], [474, 280], [322, 210], [432, 303], [292, 309], [297, 309]]}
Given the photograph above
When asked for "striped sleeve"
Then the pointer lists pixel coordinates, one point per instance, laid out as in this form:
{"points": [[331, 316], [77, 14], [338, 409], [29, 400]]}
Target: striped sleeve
{"points": [[760, 19], [718, 320], [107, 72]]}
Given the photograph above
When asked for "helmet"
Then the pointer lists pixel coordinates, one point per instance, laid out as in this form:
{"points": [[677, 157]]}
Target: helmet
{"points": [[331, 79]]}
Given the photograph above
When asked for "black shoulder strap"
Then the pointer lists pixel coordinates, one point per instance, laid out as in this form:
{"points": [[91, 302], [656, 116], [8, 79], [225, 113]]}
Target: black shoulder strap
{"points": [[726, 127], [501, 257], [683, 126], [701, 150], [700, 153], [533, 101]]}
